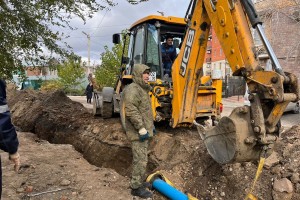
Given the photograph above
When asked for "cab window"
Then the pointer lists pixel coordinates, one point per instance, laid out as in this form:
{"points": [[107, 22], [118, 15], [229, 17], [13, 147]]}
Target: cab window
{"points": [[138, 56], [152, 54]]}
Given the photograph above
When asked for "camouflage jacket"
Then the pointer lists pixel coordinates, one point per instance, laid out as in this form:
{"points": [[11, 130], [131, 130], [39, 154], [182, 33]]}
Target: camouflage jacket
{"points": [[136, 100]]}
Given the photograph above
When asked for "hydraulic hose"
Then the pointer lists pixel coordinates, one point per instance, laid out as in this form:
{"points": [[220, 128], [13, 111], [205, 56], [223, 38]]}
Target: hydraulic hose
{"points": [[251, 12], [257, 24]]}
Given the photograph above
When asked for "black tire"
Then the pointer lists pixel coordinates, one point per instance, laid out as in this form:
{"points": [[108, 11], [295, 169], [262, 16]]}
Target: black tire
{"points": [[122, 114], [107, 109], [96, 105]]}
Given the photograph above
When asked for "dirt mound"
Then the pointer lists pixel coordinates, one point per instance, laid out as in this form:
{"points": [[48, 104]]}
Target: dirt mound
{"points": [[56, 118], [178, 153], [41, 110]]}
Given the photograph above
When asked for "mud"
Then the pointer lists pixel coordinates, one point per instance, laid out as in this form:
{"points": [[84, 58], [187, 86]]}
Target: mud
{"points": [[178, 153]]}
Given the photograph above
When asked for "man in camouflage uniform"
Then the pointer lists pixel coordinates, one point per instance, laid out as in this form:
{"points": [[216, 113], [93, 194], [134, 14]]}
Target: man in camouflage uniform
{"points": [[139, 126]]}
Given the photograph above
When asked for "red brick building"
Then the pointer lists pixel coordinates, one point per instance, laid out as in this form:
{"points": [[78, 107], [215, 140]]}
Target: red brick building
{"points": [[282, 26], [215, 58]]}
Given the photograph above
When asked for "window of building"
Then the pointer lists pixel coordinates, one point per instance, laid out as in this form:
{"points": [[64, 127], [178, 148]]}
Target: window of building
{"points": [[210, 38]]}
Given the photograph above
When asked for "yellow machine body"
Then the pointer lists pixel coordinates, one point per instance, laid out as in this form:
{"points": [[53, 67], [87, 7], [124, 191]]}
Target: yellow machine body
{"points": [[190, 97]]}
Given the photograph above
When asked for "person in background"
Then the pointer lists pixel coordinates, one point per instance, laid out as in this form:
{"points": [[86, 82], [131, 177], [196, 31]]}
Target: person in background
{"points": [[139, 126], [168, 52], [90, 77], [8, 137], [89, 92]]}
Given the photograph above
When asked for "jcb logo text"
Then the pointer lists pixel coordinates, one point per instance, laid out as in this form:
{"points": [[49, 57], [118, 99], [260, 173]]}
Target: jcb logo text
{"points": [[187, 52]]}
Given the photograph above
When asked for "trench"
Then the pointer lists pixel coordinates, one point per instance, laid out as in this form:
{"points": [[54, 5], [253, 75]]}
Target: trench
{"points": [[57, 119], [97, 148]]}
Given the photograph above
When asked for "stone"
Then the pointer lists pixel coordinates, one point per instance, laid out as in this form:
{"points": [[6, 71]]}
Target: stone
{"points": [[276, 170], [295, 178], [96, 129], [65, 182], [20, 190], [29, 189], [283, 185], [271, 160], [223, 179], [298, 188], [281, 195]]}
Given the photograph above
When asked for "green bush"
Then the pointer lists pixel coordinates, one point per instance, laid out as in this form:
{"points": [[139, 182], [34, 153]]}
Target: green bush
{"points": [[51, 85], [74, 92]]}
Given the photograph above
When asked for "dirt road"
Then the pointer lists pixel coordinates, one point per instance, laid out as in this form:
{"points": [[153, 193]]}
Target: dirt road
{"points": [[58, 172], [287, 121]]}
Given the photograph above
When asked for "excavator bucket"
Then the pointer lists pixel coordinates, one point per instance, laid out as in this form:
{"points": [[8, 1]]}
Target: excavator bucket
{"points": [[232, 140]]}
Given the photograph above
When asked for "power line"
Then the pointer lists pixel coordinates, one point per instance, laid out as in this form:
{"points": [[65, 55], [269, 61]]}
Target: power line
{"points": [[104, 26], [100, 21], [90, 36]]}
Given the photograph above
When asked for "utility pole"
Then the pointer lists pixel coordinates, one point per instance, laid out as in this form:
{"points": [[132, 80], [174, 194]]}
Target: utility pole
{"points": [[89, 50]]}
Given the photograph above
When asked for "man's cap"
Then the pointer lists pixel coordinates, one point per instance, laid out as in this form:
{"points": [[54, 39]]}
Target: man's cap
{"points": [[169, 36]]}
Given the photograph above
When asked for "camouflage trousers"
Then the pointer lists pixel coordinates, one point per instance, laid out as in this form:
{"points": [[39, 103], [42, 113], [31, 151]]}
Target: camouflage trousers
{"points": [[139, 163]]}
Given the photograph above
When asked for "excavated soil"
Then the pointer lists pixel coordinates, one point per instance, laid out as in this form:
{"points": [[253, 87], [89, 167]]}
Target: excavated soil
{"points": [[178, 153]]}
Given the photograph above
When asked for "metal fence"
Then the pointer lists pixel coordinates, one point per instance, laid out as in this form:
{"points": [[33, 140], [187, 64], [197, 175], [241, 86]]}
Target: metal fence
{"points": [[233, 86]]}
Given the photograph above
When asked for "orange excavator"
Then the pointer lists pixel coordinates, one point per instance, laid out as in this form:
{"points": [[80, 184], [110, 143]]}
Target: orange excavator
{"points": [[190, 98]]}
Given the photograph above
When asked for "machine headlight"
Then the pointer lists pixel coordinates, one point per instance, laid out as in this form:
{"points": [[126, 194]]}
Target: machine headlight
{"points": [[157, 91]]}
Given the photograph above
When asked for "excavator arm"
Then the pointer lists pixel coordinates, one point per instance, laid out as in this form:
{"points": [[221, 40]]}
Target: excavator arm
{"points": [[250, 130]]}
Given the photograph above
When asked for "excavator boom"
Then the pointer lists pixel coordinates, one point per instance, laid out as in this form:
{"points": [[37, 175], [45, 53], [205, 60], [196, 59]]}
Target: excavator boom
{"points": [[188, 97], [248, 131]]}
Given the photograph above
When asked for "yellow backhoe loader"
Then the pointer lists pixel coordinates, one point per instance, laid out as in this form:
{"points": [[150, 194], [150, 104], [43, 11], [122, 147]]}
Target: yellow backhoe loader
{"points": [[188, 99]]}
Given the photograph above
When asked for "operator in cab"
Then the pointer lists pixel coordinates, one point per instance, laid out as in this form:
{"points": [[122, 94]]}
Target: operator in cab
{"points": [[168, 52]]}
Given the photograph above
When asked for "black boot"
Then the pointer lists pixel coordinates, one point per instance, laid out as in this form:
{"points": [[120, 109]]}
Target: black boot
{"points": [[141, 192], [147, 185]]}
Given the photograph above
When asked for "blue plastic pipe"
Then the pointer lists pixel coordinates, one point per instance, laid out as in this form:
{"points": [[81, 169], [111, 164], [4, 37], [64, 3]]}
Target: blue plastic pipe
{"points": [[168, 191]]}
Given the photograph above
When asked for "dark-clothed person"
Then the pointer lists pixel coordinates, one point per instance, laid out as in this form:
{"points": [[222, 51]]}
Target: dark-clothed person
{"points": [[139, 126], [89, 92], [168, 53], [8, 136]]}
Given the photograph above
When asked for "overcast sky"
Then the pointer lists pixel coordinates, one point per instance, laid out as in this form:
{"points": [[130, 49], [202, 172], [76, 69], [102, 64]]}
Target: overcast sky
{"points": [[105, 23]]}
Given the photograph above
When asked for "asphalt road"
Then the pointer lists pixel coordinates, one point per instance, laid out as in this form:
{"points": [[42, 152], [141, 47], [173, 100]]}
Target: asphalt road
{"points": [[288, 119]]}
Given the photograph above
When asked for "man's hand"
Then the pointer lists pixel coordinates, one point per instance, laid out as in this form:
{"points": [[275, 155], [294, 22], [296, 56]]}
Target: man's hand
{"points": [[15, 158], [143, 134]]}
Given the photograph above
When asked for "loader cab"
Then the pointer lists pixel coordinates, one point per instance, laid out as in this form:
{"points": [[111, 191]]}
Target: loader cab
{"points": [[145, 39]]}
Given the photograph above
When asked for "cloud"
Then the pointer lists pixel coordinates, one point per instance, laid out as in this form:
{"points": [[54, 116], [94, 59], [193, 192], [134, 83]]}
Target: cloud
{"points": [[105, 23]]}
